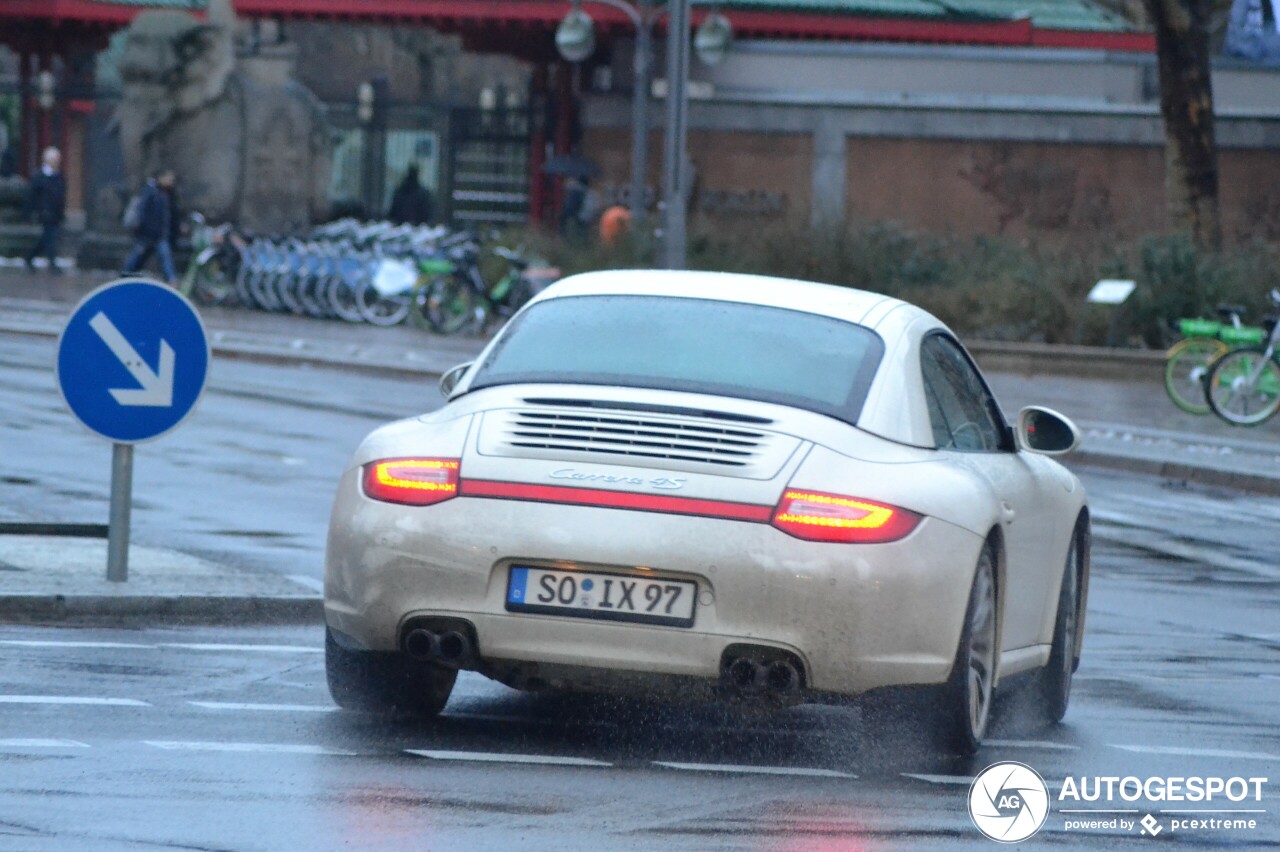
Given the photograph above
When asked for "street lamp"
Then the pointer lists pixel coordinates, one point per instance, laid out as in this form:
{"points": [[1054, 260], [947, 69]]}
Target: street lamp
{"points": [[576, 35], [575, 40], [713, 39]]}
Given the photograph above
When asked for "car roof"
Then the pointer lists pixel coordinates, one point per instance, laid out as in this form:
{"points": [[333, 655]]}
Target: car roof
{"points": [[846, 303]]}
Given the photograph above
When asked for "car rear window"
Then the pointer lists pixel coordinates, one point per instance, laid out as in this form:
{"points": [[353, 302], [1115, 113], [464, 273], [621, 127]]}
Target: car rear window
{"points": [[688, 344]]}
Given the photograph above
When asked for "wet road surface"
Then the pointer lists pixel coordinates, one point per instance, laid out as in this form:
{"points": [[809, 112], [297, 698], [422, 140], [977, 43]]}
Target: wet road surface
{"points": [[225, 739], [207, 738]]}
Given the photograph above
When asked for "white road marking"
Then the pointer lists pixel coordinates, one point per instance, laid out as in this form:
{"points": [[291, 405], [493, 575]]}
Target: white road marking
{"points": [[72, 699], [1199, 752], [960, 780], [940, 779], [41, 643], [1031, 744], [20, 742], [498, 757], [754, 770], [185, 646], [272, 708], [270, 649], [259, 748], [310, 582]]}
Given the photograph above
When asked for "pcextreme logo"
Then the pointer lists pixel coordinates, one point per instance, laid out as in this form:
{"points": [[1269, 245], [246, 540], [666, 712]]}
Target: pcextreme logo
{"points": [[1008, 801]]}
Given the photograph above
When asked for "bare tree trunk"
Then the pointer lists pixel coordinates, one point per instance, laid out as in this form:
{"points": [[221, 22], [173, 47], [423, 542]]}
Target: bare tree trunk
{"points": [[1186, 101]]}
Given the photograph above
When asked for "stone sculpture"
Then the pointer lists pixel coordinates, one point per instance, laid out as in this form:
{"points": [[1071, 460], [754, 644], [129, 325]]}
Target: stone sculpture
{"points": [[253, 149]]}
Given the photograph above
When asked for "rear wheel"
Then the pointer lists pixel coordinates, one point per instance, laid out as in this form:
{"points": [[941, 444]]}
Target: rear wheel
{"points": [[1233, 393], [384, 682], [1185, 369], [448, 304], [963, 704], [1053, 684]]}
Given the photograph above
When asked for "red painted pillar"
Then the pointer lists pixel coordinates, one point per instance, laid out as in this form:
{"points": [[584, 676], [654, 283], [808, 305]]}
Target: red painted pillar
{"points": [[537, 145], [565, 106]]}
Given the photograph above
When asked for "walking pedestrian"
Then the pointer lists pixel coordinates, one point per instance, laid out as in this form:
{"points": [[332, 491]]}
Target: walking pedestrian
{"points": [[155, 226], [410, 203], [47, 202]]}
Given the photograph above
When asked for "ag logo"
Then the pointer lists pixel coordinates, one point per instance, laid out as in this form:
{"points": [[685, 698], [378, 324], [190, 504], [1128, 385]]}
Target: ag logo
{"points": [[1008, 801]]}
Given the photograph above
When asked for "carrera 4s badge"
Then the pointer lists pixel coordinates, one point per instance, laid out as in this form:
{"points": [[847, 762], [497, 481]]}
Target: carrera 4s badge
{"points": [[663, 482]]}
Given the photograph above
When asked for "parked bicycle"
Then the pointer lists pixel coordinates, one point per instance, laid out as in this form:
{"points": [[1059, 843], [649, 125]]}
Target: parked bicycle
{"points": [[215, 260], [1243, 385], [461, 298], [1204, 341]]}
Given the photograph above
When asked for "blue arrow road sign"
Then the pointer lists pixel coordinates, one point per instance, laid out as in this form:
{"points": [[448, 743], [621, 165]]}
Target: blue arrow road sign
{"points": [[132, 360]]}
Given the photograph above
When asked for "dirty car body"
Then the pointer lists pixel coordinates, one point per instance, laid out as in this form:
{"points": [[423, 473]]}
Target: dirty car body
{"points": [[706, 484]]}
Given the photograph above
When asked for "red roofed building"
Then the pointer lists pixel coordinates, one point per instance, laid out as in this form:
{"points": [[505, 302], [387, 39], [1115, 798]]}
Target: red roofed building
{"points": [[838, 107]]}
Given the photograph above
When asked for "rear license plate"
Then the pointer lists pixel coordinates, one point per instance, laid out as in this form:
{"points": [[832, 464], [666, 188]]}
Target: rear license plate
{"points": [[613, 597]]}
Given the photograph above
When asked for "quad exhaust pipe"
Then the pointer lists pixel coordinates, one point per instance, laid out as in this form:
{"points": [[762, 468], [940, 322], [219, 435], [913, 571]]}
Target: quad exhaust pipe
{"points": [[449, 647]]}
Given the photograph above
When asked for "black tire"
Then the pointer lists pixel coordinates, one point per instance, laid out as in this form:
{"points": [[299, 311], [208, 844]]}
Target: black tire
{"points": [[382, 682], [1229, 393], [1053, 683], [962, 706], [448, 304]]}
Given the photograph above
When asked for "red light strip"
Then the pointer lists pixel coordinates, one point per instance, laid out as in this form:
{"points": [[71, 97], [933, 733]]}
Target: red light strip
{"points": [[615, 500]]}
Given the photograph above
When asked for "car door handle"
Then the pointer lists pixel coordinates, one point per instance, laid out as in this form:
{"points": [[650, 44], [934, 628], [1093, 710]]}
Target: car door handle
{"points": [[1007, 512]]}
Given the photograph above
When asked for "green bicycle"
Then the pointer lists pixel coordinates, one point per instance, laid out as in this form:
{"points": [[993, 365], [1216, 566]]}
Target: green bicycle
{"points": [[1204, 341], [1243, 386]]}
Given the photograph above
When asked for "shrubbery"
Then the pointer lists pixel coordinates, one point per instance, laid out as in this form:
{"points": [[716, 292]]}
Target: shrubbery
{"points": [[998, 288]]}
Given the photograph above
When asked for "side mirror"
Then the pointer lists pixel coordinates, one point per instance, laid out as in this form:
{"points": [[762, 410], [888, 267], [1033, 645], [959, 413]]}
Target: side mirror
{"points": [[1042, 430], [451, 377]]}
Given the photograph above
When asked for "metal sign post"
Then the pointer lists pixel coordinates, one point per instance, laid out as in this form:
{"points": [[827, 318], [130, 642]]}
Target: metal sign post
{"points": [[132, 363], [674, 167], [121, 504]]}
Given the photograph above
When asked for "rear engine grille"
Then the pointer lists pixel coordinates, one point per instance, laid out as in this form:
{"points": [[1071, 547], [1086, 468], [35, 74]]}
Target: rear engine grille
{"points": [[634, 436]]}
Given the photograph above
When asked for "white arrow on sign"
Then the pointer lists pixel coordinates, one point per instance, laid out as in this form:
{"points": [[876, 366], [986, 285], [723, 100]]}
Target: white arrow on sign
{"points": [[157, 387]]}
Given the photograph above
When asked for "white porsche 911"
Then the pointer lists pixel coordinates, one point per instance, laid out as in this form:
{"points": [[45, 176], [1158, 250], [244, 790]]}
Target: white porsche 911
{"points": [[701, 484]]}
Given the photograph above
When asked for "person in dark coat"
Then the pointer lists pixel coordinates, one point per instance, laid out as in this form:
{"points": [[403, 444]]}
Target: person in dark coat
{"points": [[410, 203], [156, 227], [47, 202]]}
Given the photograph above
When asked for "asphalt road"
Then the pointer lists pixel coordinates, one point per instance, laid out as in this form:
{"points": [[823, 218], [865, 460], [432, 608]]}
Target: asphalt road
{"points": [[224, 739]]}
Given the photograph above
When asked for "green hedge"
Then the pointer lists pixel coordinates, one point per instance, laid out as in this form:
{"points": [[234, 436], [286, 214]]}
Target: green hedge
{"points": [[996, 288]]}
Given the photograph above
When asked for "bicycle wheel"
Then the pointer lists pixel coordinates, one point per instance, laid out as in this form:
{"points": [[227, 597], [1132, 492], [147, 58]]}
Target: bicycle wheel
{"points": [[378, 309], [1235, 398], [448, 304], [342, 299], [213, 286], [1185, 370]]}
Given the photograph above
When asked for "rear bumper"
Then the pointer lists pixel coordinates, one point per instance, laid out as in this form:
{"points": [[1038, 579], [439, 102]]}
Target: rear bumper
{"points": [[857, 616]]}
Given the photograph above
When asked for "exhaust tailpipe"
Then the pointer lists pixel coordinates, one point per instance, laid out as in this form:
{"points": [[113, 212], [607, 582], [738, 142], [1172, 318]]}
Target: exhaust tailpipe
{"points": [[746, 675], [453, 647], [782, 678], [422, 644]]}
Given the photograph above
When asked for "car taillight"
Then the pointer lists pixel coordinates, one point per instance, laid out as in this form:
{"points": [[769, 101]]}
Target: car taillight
{"points": [[816, 516], [414, 482]]}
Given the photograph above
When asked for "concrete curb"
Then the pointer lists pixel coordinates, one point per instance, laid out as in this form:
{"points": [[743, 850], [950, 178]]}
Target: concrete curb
{"points": [[1089, 362], [261, 355], [1189, 473], [151, 610]]}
